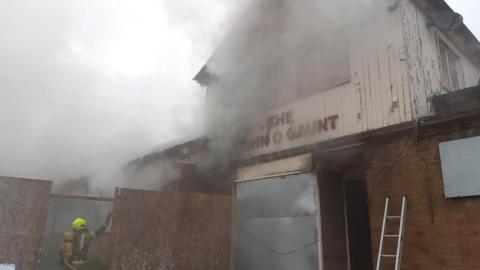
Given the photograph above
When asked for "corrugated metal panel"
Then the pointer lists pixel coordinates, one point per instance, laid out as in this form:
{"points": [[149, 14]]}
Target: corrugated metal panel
{"points": [[23, 213], [178, 230], [276, 224]]}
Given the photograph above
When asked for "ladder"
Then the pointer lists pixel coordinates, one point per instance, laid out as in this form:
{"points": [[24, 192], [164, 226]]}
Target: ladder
{"points": [[399, 237]]}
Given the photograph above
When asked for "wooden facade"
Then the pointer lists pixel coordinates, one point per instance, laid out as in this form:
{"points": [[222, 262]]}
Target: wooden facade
{"points": [[394, 68]]}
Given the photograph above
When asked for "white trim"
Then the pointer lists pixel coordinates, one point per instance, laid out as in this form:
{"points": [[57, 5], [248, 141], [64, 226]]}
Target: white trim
{"points": [[319, 225], [278, 167]]}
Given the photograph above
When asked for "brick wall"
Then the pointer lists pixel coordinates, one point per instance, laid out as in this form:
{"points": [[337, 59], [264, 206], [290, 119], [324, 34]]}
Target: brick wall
{"points": [[440, 234], [23, 213]]}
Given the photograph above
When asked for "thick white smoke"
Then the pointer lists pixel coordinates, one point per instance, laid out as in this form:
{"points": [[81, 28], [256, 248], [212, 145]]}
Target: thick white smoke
{"points": [[276, 44], [87, 86]]}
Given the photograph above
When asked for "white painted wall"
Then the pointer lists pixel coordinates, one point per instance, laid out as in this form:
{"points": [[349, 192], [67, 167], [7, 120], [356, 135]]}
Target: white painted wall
{"points": [[394, 73], [423, 59], [378, 94]]}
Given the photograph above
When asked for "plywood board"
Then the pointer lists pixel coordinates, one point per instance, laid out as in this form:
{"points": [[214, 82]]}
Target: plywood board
{"points": [[23, 213], [171, 230]]}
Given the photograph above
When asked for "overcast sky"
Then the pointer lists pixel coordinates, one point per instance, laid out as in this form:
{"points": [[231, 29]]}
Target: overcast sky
{"points": [[469, 10], [93, 83]]}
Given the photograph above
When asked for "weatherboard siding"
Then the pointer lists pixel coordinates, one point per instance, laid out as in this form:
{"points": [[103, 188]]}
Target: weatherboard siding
{"points": [[420, 41], [378, 94], [394, 72]]}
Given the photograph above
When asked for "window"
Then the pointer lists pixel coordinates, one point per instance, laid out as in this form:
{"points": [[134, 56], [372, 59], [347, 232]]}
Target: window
{"points": [[449, 67]]}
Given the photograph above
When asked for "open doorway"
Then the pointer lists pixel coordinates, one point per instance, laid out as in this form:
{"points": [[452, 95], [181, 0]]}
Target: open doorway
{"points": [[358, 224], [344, 215], [62, 209]]}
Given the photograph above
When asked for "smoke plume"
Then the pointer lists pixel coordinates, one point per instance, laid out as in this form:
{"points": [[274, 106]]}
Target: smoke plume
{"points": [[278, 51], [88, 86]]}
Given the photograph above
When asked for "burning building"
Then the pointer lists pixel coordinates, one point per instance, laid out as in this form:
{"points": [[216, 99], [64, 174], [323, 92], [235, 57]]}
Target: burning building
{"points": [[322, 110], [322, 115]]}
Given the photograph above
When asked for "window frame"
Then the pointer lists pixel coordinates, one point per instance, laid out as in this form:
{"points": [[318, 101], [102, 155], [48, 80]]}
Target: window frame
{"points": [[453, 71]]}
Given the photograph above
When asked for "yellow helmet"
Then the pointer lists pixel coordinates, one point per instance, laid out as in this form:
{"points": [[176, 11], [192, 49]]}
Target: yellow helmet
{"points": [[79, 224]]}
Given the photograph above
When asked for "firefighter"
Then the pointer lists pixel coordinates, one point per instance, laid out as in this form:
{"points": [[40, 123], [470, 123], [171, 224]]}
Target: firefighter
{"points": [[75, 244]]}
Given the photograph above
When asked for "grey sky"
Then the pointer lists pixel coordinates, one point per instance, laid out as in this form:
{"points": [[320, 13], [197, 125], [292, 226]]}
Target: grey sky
{"points": [[469, 10], [87, 85]]}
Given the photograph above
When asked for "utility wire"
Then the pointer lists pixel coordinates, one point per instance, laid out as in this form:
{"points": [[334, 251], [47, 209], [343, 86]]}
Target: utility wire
{"points": [[270, 248], [39, 100], [44, 86]]}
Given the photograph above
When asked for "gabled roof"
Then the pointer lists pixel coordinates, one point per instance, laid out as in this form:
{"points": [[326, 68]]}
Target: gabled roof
{"points": [[174, 148], [203, 77], [463, 37], [256, 11]]}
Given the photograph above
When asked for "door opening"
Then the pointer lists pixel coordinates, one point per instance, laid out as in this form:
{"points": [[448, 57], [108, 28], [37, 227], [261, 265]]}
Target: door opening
{"points": [[332, 220], [358, 224], [344, 216]]}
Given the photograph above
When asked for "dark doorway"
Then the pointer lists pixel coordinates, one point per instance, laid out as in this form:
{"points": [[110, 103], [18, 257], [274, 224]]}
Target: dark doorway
{"points": [[332, 220], [358, 225], [62, 209], [345, 222]]}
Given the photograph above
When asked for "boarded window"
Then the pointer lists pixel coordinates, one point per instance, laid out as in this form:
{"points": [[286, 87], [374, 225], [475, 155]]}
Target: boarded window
{"points": [[281, 52], [318, 64], [322, 64], [461, 172], [312, 56], [276, 224]]}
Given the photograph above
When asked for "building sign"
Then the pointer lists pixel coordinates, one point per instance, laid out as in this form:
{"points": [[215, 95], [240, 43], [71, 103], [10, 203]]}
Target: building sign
{"points": [[282, 130]]}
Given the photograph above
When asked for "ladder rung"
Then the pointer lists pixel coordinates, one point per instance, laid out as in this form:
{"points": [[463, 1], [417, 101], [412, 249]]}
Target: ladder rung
{"points": [[397, 237]]}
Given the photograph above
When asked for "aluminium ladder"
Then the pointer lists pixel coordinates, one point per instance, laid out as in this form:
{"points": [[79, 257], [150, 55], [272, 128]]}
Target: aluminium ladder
{"points": [[399, 236]]}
